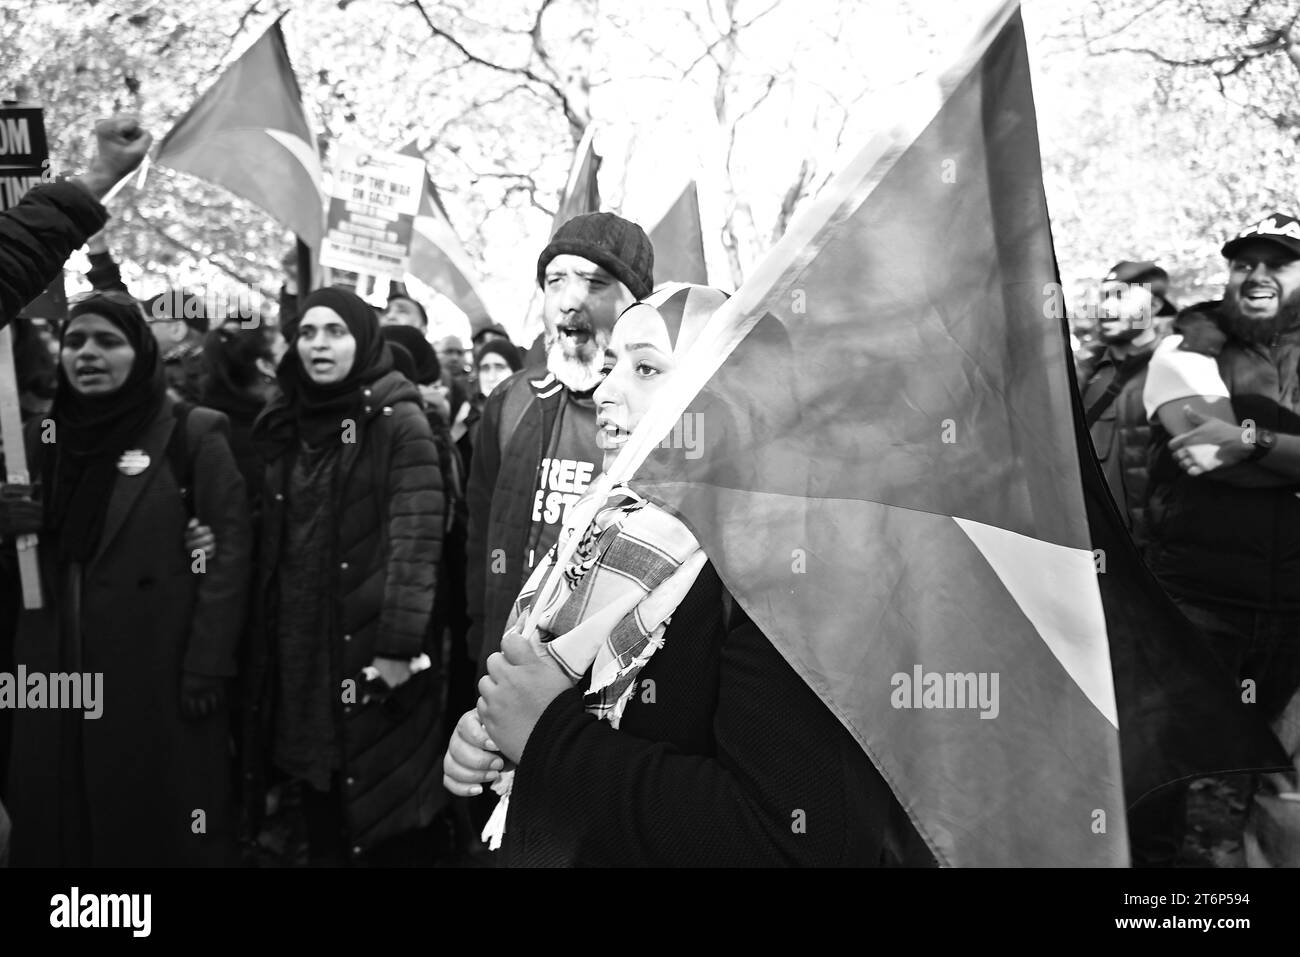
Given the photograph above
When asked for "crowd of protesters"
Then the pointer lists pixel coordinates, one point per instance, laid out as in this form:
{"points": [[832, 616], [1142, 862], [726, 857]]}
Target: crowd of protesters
{"points": [[301, 556]]}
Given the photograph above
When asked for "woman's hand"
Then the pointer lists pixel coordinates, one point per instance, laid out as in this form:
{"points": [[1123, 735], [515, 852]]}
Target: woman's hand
{"points": [[200, 694], [394, 671], [19, 515], [518, 687], [200, 538], [471, 759]]}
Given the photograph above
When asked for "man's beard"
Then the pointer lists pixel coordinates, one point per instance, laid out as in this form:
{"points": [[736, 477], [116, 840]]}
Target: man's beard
{"points": [[1259, 331], [578, 375]]}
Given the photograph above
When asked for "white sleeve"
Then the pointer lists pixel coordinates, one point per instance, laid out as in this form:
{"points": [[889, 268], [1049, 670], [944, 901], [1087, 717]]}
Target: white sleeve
{"points": [[1176, 374]]}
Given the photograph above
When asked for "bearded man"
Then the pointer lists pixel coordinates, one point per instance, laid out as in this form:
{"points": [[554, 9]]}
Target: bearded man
{"points": [[536, 449], [1133, 295], [1223, 510]]}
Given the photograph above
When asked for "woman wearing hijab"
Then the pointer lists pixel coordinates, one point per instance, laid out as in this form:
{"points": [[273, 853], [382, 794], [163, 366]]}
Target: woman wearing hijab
{"points": [[135, 772], [652, 723], [352, 528], [494, 361]]}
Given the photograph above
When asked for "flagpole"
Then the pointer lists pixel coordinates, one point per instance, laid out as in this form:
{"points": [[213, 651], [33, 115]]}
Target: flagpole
{"points": [[304, 268]]}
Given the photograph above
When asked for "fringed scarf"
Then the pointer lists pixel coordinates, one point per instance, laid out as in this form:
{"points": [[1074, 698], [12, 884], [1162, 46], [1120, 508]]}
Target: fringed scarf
{"points": [[608, 609]]}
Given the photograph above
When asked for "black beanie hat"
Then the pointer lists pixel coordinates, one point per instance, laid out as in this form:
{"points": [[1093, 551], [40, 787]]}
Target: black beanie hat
{"points": [[506, 350], [425, 360], [610, 241]]}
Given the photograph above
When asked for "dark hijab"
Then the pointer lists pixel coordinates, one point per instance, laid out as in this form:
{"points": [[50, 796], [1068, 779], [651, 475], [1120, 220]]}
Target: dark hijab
{"points": [[230, 361], [315, 412], [92, 432]]}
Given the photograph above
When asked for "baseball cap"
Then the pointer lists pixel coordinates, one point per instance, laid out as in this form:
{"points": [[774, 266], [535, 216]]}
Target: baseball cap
{"points": [[1276, 228]]}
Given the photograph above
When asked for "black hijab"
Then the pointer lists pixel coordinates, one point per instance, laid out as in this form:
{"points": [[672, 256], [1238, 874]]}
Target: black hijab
{"points": [[92, 432], [316, 412], [427, 368], [230, 362]]}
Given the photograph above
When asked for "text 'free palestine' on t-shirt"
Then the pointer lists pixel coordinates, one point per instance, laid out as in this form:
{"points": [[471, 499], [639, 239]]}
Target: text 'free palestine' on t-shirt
{"points": [[564, 475]]}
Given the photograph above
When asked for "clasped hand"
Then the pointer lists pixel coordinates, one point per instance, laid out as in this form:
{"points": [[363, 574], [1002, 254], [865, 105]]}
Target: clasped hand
{"points": [[519, 685], [1208, 445]]}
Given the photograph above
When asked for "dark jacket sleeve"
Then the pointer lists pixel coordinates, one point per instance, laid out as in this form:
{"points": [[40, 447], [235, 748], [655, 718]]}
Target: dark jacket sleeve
{"points": [[484, 466], [220, 503], [787, 785], [415, 530], [36, 238]]}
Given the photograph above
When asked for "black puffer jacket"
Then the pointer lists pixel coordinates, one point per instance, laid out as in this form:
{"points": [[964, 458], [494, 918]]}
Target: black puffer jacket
{"points": [[1122, 432], [36, 238], [388, 506], [1215, 541]]}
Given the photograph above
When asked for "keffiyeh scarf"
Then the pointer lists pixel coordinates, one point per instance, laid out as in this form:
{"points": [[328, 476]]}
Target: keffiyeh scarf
{"points": [[607, 609]]}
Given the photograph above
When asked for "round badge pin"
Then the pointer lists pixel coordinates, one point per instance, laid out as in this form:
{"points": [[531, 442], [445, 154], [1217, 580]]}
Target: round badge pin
{"points": [[133, 462]]}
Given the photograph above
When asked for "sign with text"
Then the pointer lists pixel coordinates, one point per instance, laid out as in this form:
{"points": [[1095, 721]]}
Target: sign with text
{"points": [[24, 163], [24, 154], [373, 201]]}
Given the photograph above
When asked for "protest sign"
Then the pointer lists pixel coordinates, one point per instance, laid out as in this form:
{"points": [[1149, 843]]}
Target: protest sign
{"points": [[374, 197], [24, 163]]}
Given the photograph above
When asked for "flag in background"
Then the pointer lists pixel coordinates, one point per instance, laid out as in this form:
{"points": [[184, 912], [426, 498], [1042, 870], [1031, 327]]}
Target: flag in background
{"points": [[581, 195], [678, 241], [249, 133], [890, 485], [581, 192], [437, 257]]}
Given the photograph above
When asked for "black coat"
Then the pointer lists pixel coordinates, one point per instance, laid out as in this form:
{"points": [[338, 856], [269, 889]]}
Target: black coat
{"points": [[1233, 544], [725, 757], [36, 238], [140, 615], [509, 443], [387, 501]]}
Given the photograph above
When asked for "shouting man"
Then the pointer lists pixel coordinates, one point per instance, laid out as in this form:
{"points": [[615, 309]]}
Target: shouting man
{"points": [[536, 451]]}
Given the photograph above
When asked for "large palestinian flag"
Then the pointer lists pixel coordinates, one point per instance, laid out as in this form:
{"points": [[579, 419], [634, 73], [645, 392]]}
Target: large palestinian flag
{"points": [[886, 472]]}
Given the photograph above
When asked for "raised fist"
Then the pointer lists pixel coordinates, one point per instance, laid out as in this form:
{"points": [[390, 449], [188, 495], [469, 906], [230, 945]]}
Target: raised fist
{"points": [[122, 144]]}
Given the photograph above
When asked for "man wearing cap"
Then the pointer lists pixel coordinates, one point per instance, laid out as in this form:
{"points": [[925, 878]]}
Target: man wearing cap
{"points": [[1133, 294], [535, 452], [1223, 510]]}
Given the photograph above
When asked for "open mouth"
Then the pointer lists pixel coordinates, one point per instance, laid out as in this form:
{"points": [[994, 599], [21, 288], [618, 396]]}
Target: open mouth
{"points": [[88, 373], [322, 364], [1259, 295], [611, 436], [574, 335]]}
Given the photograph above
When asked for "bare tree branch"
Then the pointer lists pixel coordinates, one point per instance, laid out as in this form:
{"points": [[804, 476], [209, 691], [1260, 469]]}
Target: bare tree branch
{"points": [[189, 250], [239, 28], [758, 101], [569, 113], [728, 37]]}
